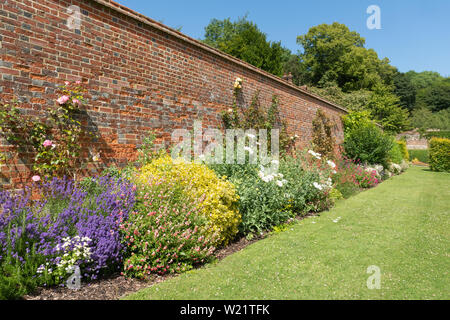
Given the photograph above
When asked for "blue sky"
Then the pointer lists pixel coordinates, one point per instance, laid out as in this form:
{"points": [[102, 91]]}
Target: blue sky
{"points": [[414, 34]]}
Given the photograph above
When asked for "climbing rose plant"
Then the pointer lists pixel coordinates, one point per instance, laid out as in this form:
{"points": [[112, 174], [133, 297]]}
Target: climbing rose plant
{"points": [[54, 143]]}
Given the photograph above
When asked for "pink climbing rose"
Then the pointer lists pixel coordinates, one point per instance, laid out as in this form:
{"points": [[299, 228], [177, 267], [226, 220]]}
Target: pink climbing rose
{"points": [[48, 143], [76, 101], [36, 178], [63, 99]]}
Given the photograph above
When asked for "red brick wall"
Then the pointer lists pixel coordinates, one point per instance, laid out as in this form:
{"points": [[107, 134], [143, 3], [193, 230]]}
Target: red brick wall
{"points": [[141, 76]]}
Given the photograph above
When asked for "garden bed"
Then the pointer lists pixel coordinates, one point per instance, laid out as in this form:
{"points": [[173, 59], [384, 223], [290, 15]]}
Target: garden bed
{"points": [[117, 286]]}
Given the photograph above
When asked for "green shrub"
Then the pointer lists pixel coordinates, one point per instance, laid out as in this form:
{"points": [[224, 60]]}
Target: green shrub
{"points": [[395, 154], [440, 154], [403, 149], [167, 232], [262, 205], [368, 145], [301, 173], [269, 198], [356, 119], [347, 189], [219, 199], [421, 155]]}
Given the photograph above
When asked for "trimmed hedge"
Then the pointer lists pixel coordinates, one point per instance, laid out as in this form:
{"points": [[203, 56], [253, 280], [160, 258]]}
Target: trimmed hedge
{"points": [[440, 154], [421, 155], [437, 134]]}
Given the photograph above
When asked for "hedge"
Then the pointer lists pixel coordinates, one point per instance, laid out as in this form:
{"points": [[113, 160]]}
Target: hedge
{"points": [[440, 154], [437, 134], [421, 155]]}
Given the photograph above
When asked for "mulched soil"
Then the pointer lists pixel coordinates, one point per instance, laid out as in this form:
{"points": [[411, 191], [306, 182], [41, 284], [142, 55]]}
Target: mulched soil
{"points": [[117, 286]]}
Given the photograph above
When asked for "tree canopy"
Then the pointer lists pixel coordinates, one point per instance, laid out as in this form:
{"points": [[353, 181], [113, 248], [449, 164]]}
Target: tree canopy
{"points": [[333, 53], [334, 63], [243, 39]]}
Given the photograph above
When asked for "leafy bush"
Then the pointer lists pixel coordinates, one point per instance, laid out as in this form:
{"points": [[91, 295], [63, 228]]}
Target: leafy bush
{"points": [[403, 149], [368, 145], [219, 204], [262, 204], [268, 198], [40, 241], [395, 154], [440, 154], [421, 155], [166, 233], [347, 188], [355, 120], [308, 176]]}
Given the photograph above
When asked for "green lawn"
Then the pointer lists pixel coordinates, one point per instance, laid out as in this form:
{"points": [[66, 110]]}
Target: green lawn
{"points": [[402, 226]]}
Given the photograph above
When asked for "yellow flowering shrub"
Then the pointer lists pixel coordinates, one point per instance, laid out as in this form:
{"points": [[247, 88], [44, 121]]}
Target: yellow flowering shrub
{"points": [[218, 197]]}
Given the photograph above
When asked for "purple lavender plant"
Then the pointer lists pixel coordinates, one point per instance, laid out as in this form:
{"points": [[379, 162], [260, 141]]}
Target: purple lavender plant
{"points": [[36, 230]]}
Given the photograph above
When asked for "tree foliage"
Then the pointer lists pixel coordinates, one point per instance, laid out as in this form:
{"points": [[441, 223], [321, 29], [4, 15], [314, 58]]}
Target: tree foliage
{"points": [[385, 109], [333, 53], [436, 96], [243, 39]]}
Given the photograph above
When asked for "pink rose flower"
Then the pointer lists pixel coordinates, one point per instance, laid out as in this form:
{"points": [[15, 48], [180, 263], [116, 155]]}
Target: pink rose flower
{"points": [[36, 178], [76, 101], [78, 82], [47, 143], [63, 99]]}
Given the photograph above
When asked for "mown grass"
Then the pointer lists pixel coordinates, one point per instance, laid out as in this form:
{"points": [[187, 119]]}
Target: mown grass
{"points": [[402, 226]]}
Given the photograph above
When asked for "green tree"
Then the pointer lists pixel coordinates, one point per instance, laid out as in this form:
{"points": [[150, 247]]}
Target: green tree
{"points": [[423, 119], [423, 79], [243, 39], [293, 65], [436, 96], [385, 109], [333, 53], [405, 90]]}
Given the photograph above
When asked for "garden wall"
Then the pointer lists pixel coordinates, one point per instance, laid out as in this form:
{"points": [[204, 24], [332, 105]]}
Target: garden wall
{"points": [[141, 75]]}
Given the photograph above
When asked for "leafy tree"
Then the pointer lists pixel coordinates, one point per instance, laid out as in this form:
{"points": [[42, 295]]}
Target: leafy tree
{"points": [[333, 53], [405, 90], [423, 79], [293, 65], [423, 119], [356, 100], [385, 109], [243, 39], [436, 96]]}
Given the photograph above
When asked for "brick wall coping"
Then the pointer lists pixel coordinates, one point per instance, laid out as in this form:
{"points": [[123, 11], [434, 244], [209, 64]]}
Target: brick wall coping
{"points": [[175, 33]]}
